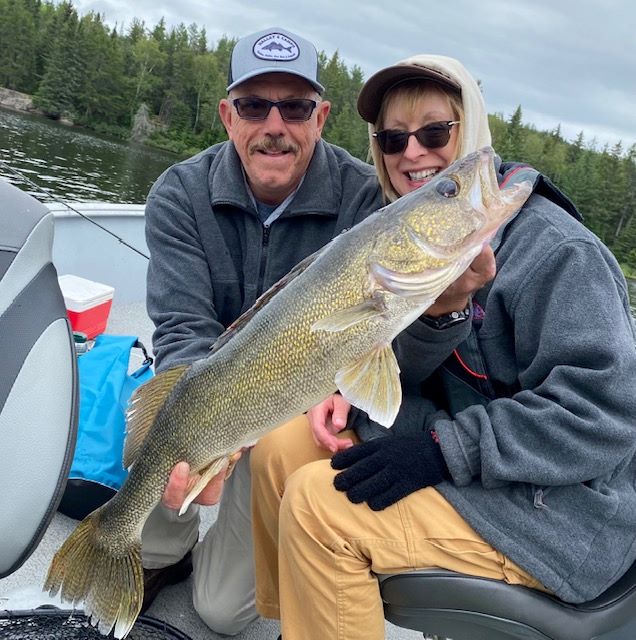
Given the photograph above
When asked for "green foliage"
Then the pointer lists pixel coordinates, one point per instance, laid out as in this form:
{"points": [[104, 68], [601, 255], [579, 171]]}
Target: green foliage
{"points": [[78, 67], [17, 46], [601, 184], [57, 91], [514, 138]]}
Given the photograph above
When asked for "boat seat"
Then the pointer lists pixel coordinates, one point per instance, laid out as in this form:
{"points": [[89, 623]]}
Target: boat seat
{"points": [[38, 378], [444, 604]]}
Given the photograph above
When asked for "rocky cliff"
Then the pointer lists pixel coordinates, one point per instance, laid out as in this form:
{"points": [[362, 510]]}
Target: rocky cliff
{"points": [[16, 101]]}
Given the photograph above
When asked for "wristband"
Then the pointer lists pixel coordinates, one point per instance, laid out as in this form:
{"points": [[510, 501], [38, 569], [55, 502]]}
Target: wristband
{"points": [[447, 320]]}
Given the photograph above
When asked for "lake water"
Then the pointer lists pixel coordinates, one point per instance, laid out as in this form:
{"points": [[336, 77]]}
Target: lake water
{"points": [[75, 165]]}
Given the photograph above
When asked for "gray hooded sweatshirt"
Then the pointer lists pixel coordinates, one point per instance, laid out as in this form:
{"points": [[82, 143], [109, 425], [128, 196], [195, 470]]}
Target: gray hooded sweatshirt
{"points": [[545, 468]]}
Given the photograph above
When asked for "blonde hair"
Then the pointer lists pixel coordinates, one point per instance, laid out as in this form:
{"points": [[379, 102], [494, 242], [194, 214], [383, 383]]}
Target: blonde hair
{"points": [[411, 92]]}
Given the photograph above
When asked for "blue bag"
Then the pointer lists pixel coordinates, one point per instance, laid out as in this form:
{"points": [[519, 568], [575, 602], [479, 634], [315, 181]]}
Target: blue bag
{"points": [[97, 472]]}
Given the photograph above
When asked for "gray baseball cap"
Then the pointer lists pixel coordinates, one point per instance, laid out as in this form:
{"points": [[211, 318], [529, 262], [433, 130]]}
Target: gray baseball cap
{"points": [[273, 50]]}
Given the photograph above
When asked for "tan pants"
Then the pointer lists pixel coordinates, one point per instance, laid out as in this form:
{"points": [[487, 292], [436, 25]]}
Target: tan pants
{"points": [[316, 553]]}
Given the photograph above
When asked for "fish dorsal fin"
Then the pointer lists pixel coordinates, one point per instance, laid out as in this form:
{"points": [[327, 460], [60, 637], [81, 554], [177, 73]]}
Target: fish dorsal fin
{"points": [[373, 384], [244, 318], [143, 408]]}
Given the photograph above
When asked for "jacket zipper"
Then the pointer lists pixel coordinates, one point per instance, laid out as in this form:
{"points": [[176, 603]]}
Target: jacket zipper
{"points": [[264, 251]]}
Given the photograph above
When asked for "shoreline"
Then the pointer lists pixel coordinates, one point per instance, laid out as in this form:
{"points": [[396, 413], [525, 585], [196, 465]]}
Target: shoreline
{"points": [[23, 103]]}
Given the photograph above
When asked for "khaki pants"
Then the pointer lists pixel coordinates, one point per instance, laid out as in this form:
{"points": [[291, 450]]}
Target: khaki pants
{"points": [[316, 553]]}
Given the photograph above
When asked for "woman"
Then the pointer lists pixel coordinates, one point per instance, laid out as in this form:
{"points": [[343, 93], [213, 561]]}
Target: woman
{"points": [[513, 458]]}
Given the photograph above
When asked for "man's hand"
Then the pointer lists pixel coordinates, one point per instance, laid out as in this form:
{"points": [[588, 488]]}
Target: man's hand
{"points": [[326, 420], [455, 298], [180, 483]]}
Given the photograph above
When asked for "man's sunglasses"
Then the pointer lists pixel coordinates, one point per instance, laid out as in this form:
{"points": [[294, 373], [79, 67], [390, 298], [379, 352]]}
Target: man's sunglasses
{"points": [[432, 136], [294, 110]]}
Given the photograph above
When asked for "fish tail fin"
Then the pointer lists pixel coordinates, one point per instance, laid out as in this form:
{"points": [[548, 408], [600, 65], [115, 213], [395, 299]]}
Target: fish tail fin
{"points": [[109, 584]]}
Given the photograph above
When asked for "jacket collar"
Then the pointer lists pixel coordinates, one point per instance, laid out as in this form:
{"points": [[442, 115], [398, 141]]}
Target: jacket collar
{"points": [[319, 192]]}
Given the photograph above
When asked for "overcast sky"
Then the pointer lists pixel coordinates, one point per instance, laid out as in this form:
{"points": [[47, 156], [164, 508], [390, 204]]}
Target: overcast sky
{"points": [[567, 62]]}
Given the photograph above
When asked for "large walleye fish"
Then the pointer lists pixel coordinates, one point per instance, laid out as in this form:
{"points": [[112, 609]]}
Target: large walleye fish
{"points": [[327, 325]]}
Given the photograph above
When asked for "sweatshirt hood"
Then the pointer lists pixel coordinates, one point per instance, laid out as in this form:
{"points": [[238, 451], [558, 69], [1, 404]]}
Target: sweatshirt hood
{"points": [[443, 70]]}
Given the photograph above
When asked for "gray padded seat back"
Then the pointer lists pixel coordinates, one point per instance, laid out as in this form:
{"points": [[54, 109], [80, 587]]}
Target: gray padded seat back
{"points": [[38, 378]]}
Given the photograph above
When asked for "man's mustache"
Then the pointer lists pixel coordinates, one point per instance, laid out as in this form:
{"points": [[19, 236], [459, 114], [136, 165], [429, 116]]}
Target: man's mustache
{"points": [[273, 145]]}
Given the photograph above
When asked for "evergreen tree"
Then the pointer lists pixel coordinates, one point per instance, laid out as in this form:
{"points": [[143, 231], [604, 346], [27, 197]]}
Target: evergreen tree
{"points": [[101, 95], [334, 77], [47, 22], [17, 45], [611, 187], [62, 76], [498, 130], [553, 156], [349, 131], [178, 104], [137, 30], [197, 39], [209, 123], [512, 148], [574, 179], [625, 246], [159, 34], [575, 150], [344, 126]]}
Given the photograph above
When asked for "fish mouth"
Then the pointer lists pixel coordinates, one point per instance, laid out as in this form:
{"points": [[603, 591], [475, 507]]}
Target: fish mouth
{"points": [[485, 205], [491, 204]]}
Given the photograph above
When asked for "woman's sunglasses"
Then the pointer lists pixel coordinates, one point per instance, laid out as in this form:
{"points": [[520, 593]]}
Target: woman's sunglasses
{"points": [[432, 136], [294, 110]]}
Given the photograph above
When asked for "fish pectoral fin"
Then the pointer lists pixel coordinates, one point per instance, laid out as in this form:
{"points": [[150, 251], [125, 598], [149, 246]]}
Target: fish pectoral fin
{"points": [[345, 318], [426, 284], [143, 408], [373, 385], [206, 474], [234, 458]]}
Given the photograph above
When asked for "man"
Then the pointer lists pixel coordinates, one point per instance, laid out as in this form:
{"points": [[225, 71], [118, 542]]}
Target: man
{"points": [[222, 227]]}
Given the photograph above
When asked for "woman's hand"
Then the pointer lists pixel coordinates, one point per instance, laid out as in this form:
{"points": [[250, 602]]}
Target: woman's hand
{"points": [[455, 298], [326, 420]]}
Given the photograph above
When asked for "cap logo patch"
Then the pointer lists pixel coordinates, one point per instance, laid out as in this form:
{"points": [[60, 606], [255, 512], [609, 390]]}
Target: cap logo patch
{"points": [[275, 46]]}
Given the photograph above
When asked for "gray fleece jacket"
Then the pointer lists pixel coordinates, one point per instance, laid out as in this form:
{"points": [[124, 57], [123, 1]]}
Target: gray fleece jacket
{"points": [[211, 256], [545, 471]]}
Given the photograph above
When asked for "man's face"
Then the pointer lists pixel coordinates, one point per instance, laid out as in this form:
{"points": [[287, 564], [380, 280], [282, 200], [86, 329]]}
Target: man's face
{"points": [[275, 154]]}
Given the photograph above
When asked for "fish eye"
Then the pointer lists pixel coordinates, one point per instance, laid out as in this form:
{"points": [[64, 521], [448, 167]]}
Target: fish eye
{"points": [[447, 188]]}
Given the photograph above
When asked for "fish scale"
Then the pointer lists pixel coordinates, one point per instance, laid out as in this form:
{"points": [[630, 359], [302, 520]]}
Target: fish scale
{"points": [[327, 326]]}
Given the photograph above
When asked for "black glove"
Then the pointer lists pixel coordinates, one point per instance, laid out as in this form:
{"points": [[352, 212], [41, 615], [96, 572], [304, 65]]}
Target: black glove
{"points": [[385, 470]]}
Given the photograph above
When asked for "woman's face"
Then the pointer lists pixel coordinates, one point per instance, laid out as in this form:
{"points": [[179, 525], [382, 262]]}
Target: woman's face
{"points": [[416, 165]]}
